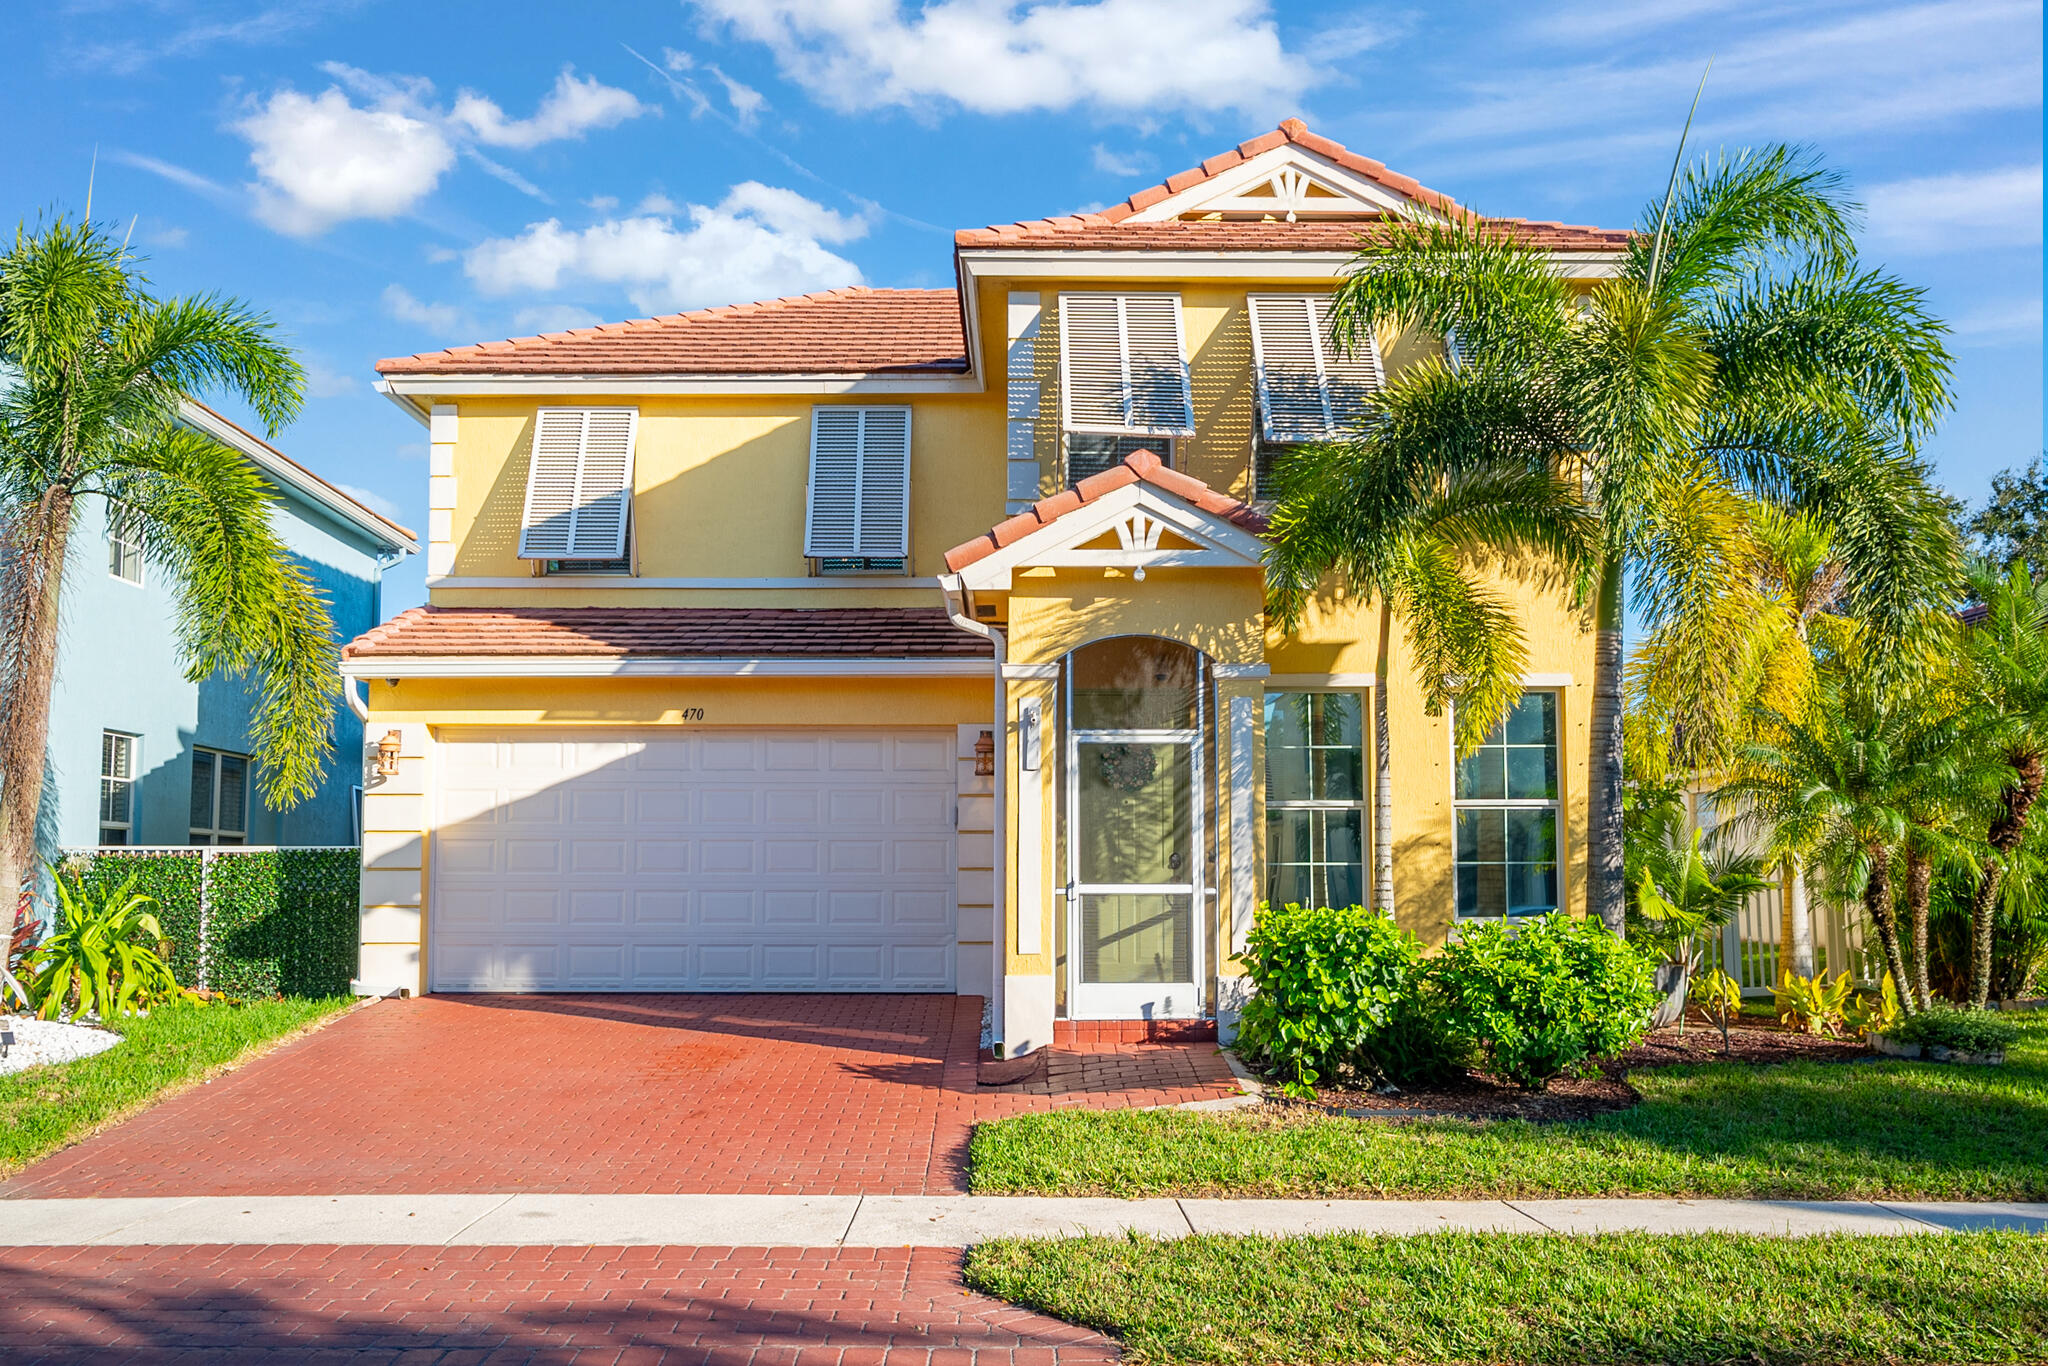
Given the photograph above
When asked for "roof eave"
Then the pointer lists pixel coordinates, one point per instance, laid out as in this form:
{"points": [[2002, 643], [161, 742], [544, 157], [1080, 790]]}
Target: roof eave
{"points": [[284, 470]]}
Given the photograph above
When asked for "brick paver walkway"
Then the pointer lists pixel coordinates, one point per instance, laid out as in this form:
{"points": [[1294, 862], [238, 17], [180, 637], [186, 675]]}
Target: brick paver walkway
{"points": [[808, 1095], [447, 1306]]}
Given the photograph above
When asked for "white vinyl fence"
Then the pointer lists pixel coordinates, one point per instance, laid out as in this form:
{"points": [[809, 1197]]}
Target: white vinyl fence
{"points": [[1749, 946]]}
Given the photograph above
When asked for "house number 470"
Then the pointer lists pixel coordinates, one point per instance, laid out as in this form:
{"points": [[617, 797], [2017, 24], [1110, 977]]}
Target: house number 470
{"points": [[693, 713]]}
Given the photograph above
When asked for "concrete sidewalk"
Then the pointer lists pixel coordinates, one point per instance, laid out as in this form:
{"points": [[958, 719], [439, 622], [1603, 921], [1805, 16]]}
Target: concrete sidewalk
{"points": [[832, 1221]]}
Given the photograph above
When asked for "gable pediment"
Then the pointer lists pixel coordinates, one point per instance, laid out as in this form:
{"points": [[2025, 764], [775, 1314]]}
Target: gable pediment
{"points": [[1139, 528], [1289, 183]]}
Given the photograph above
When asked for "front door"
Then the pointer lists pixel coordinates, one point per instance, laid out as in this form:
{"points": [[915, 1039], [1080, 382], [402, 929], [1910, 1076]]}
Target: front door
{"points": [[1134, 832]]}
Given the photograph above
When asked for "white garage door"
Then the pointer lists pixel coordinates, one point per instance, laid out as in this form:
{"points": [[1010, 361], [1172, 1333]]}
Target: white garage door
{"points": [[705, 860]]}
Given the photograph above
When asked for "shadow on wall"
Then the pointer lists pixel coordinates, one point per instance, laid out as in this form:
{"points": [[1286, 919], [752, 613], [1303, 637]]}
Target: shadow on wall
{"points": [[1220, 377]]}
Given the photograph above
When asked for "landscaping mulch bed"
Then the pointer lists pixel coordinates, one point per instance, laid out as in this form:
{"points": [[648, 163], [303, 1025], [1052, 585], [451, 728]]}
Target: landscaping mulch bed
{"points": [[1480, 1096]]}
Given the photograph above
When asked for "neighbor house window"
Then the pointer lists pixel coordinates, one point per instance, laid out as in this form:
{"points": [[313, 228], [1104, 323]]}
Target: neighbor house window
{"points": [[117, 786], [1092, 454], [1315, 798], [124, 543], [1507, 816], [220, 797]]}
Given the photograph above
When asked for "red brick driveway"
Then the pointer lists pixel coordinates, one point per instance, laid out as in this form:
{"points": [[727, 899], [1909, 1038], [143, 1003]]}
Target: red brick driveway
{"points": [[804, 1095], [459, 1306]]}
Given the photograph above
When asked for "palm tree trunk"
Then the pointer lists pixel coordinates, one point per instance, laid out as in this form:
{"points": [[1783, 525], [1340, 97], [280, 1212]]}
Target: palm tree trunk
{"points": [[1605, 892], [1919, 885], [1383, 775], [30, 589], [2007, 830], [1877, 903], [1802, 919]]}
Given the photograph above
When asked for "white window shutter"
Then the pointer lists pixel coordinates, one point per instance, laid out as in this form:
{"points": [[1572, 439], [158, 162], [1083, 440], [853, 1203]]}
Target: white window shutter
{"points": [[1308, 390], [1123, 365], [859, 502], [579, 484]]}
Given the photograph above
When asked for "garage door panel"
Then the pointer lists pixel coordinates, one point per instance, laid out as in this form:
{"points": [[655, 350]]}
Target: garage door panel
{"points": [[699, 861]]}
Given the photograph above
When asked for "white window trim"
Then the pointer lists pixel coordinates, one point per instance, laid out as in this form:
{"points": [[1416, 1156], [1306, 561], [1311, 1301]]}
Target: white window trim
{"points": [[117, 542], [1363, 803], [901, 544], [134, 768], [1129, 427], [1555, 805], [214, 831]]}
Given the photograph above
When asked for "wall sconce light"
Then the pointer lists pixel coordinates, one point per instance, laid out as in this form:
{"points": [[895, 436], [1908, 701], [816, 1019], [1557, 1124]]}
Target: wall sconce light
{"points": [[985, 755], [387, 754]]}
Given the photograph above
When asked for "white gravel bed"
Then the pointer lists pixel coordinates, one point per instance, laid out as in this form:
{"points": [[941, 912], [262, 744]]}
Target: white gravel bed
{"points": [[49, 1041]]}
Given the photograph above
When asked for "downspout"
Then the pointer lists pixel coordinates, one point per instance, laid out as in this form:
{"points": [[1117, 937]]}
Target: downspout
{"points": [[954, 592]]}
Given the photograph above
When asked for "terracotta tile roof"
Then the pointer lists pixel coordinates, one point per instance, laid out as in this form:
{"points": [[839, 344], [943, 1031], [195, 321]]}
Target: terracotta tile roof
{"points": [[671, 633], [1140, 466], [843, 331], [1094, 232]]}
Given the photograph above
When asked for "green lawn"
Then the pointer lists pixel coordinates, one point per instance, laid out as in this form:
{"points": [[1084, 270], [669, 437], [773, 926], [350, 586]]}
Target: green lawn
{"points": [[1529, 1298], [44, 1108], [1797, 1131]]}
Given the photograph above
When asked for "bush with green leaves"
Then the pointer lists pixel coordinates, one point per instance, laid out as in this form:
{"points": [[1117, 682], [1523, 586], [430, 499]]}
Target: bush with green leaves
{"points": [[101, 956], [1965, 1031], [1337, 990], [1543, 997]]}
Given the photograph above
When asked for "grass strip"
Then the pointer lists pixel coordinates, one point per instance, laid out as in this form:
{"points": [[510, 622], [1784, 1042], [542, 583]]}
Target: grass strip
{"points": [[1540, 1298], [1803, 1130], [44, 1108]]}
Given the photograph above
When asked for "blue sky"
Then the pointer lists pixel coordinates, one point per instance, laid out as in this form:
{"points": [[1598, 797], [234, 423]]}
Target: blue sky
{"points": [[386, 178]]}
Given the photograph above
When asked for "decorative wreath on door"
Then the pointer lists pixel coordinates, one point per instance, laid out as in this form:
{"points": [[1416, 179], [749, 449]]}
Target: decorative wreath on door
{"points": [[1128, 768]]}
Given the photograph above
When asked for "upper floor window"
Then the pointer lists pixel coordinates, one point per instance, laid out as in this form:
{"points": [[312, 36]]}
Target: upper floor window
{"points": [[1124, 365], [118, 763], [857, 517], [1308, 390], [124, 542], [579, 485], [1507, 815], [1091, 453], [220, 797]]}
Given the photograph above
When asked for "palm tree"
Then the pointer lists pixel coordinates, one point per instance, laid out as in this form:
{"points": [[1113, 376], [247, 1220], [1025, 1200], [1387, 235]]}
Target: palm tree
{"points": [[2007, 652], [1738, 349], [95, 368]]}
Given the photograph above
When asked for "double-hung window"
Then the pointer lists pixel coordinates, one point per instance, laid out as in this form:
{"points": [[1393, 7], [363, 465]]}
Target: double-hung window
{"points": [[220, 797], [124, 542], [1315, 798], [1506, 800], [579, 490], [1092, 453], [857, 517], [1308, 388], [119, 753]]}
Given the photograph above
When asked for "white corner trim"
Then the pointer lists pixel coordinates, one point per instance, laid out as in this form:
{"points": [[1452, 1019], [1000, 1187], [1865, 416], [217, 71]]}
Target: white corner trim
{"points": [[1244, 721], [879, 583], [1546, 680], [1323, 681], [529, 666], [1029, 902], [1031, 670], [1242, 670]]}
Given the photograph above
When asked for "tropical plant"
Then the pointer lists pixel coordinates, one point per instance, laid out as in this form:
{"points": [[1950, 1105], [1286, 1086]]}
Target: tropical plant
{"points": [[2019, 927], [1875, 1013], [1738, 353], [1719, 998], [1680, 891], [1544, 997], [104, 955], [1813, 1005], [1964, 1031], [93, 369]]}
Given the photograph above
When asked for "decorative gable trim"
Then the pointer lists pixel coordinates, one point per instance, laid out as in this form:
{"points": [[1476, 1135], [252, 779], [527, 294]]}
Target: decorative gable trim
{"points": [[1288, 182], [1138, 517]]}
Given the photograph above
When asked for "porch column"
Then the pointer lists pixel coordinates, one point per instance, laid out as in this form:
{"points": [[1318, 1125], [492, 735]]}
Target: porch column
{"points": [[1025, 1023], [1241, 761]]}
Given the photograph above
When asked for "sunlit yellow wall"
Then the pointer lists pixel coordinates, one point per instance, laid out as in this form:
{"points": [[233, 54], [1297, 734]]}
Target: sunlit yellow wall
{"points": [[583, 702]]}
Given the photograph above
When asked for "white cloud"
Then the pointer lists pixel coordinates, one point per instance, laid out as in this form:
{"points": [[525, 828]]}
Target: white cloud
{"points": [[374, 501], [2001, 323], [1959, 212], [445, 320], [320, 160], [758, 242], [601, 203], [1120, 163], [1126, 56], [571, 109], [167, 236], [656, 203], [324, 381], [747, 102]]}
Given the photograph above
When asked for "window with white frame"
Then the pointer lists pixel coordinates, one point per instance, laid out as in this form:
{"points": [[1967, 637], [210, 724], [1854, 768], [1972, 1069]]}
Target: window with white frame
{"points": [[1309, 389], [118, 761], [1124, 365], [220, 797], [124, 542], [1092, 453], [1507, 815], [1315, 798], [579, 489], [857, 515]]}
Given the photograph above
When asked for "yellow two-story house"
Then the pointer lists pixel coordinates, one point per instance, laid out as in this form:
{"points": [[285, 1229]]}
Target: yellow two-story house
{"points": [[913, 640]]}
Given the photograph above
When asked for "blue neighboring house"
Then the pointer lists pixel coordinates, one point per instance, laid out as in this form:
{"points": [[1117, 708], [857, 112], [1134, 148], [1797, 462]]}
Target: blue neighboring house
{"points": [[138, 755]]}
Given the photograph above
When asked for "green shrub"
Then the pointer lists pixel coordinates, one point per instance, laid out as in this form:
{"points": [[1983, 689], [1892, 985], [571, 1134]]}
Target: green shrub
{"points": [[1965, 1031], [1328, 982], [1543, 998]]}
